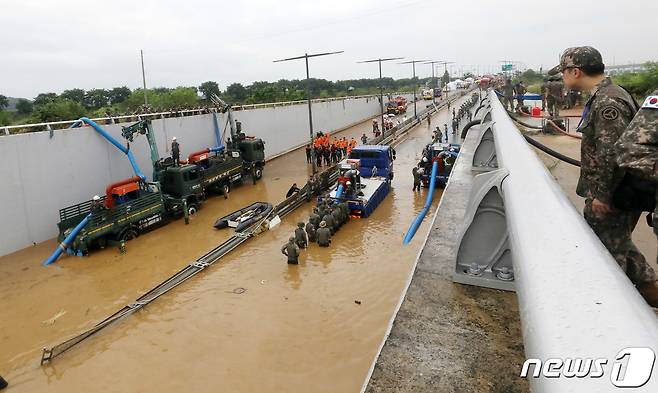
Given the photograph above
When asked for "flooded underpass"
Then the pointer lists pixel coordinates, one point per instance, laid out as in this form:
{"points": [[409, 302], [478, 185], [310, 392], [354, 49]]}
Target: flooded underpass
{"points": [[251, 323]]}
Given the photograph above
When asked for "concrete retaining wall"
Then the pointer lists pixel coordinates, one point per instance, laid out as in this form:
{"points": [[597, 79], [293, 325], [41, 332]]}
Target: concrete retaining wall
{"points": [[40, 175]]}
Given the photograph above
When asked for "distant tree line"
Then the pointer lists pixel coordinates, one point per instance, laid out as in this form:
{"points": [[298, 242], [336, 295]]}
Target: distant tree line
{"points": [[74, 103]]}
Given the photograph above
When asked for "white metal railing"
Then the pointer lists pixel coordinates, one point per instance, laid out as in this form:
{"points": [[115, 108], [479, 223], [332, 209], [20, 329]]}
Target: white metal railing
{"points": [[574, 300], [50, 126]]}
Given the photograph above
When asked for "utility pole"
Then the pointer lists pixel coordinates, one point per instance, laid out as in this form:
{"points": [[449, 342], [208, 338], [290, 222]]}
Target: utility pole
{"points": [[308, 96], [445, 69], [146, 100], [434, 84], [381, 84], [413, 67]]}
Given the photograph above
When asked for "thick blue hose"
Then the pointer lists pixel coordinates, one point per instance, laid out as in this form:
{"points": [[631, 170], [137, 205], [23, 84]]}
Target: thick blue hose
{"points": [[339, 191], [428, 202], [63, 245], [113, 141]]}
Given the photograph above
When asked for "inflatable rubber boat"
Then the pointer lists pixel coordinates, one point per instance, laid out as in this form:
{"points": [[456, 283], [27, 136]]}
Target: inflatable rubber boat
{"points": [[243, 218]]}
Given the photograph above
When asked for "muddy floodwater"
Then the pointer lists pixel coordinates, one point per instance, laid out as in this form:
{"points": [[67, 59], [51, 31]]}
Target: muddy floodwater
{"points": [[250, 323]]}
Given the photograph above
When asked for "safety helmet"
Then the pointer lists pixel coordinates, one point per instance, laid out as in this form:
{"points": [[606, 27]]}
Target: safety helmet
{"points": [[173, 139], [349, 183], [96, 198], [424, 159], [323, 224]]}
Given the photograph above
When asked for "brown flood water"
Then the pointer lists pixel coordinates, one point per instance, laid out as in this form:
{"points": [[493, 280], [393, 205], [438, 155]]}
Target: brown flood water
{"points": [[294, 329]]}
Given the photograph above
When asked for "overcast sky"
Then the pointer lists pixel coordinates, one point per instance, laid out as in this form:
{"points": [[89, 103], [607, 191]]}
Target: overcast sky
{"points": [[53, 45]]}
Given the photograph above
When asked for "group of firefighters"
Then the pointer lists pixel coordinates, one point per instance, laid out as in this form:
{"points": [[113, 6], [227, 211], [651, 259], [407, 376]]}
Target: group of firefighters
{"points": [[329, 149]]}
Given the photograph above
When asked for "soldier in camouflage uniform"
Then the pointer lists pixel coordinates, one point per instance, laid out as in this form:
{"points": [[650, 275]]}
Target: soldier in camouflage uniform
{"points": [[554, 99], [543, 89], [605, 117], [638, 154], [508, 91]]}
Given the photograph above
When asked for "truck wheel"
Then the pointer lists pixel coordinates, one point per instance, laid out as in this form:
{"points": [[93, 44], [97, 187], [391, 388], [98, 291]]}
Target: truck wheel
{"points": [[128, 234], [259, 173], [192, 208], [226, 188]]}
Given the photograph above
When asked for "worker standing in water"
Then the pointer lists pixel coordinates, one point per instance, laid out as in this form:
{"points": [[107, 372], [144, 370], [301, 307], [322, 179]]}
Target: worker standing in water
{"points": [[175, 151], [324, 235], [329, 221], [300, 236], [310, 232], [416, 176], [291, 250]]}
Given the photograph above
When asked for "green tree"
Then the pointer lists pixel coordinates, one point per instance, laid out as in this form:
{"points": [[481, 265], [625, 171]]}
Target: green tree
{"points": [[4, 102], [118, 95], [208, 89], [58, 110], [23, 106], [96, 98], [237, 92], [640, 84], [44, 98], [445, 79], [75, 95]]}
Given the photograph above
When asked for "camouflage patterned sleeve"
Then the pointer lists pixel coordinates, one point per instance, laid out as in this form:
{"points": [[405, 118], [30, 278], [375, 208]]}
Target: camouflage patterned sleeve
{"points": [[610, 120], [638, 146]]}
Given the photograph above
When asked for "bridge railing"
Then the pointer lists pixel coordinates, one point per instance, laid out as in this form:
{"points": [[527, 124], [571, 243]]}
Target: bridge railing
{"points": [[575, 301], [55, 125]]}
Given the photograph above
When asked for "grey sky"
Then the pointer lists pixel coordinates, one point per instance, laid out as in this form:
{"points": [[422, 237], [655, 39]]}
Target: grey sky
{"points": [[50, 46]]}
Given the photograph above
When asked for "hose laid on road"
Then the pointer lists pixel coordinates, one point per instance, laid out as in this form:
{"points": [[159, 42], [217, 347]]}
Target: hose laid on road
{"points": [[468, 127], [562, 131], [525, 124], [548, 121], [552, 152]]}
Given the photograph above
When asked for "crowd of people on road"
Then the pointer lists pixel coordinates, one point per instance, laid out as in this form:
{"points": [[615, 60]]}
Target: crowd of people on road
{"points": [[329, 150]]}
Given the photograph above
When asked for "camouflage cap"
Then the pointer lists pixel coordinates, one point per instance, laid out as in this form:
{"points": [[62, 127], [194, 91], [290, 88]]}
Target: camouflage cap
{"points": [[579, 56]]}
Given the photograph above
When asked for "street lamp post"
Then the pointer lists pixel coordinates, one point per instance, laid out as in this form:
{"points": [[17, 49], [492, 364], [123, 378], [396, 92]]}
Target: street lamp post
{"points": [[381, 84], [413, 67], [308, 96]]}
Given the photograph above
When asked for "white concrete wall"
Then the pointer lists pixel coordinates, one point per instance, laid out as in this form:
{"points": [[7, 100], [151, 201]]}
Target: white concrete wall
{"points": [[40, 175]]}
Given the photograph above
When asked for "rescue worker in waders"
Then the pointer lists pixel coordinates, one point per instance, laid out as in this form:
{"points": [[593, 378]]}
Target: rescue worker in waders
{"points": [[300, 236], [310, 232], [324, 235], [291, 250]]}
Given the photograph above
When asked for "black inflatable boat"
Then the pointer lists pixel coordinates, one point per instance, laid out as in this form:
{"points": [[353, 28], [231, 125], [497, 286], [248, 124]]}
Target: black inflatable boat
{"points": [[243, 218]]}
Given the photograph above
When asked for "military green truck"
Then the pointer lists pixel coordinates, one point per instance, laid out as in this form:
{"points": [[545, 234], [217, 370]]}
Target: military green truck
{"points": [[208, 171], [134, 208]]}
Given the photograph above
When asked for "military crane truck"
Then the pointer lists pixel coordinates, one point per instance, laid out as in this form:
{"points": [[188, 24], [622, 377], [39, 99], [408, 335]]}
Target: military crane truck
{"points": [[213, 170], [132, 206]]}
